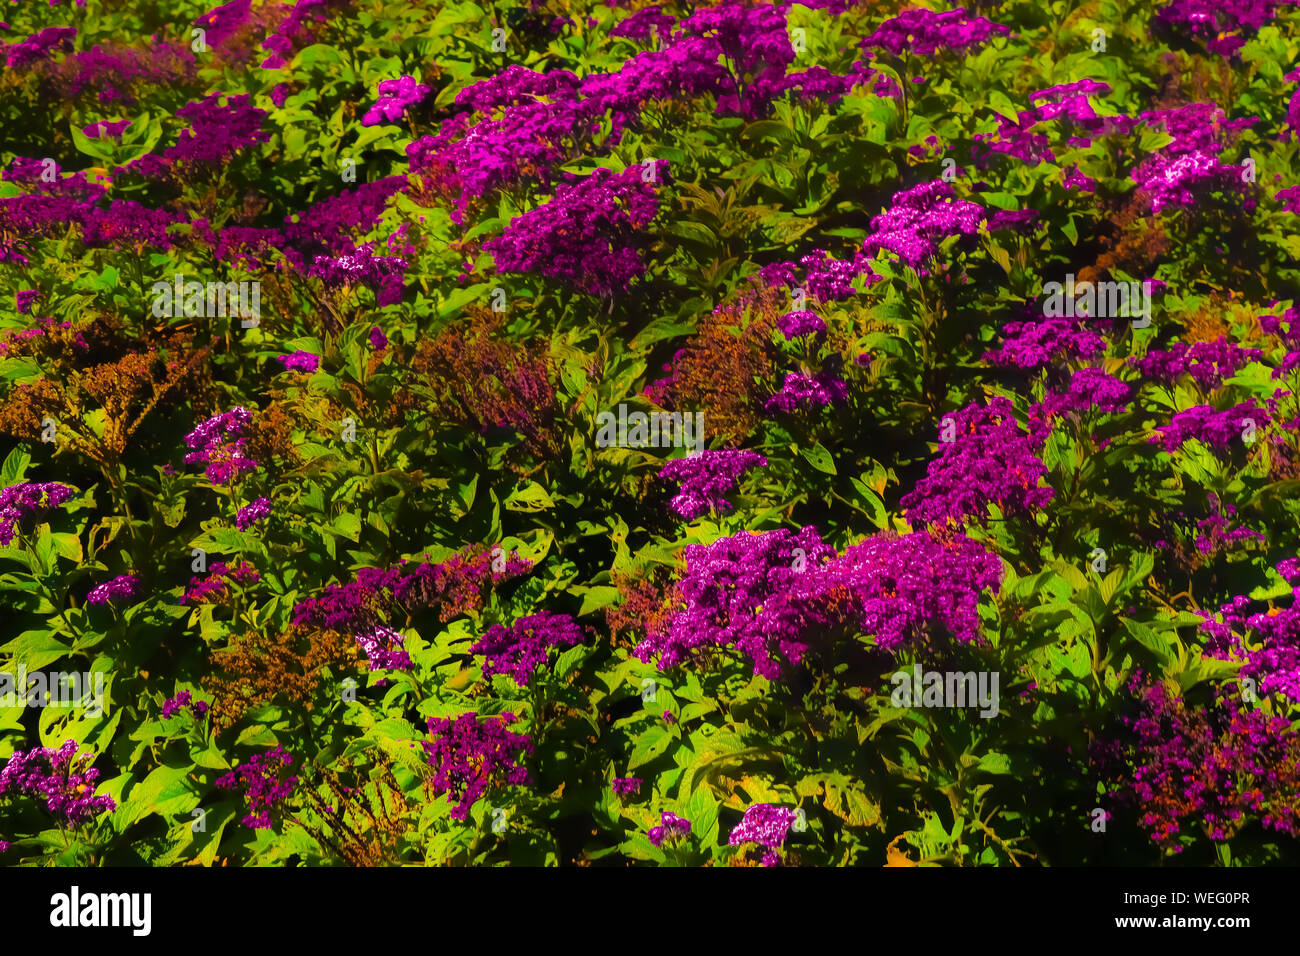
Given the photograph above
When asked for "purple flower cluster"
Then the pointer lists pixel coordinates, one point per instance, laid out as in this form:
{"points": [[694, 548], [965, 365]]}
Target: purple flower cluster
{"points": [[395, 98], [770, 595], [385, 649], [1207, 768], [541, 116], [1218, 430], [250, 514], [1216, 534], [1074, 179], [1023, 139], [38, 47], [124, 586], [671, 827], [1183, 179], [900, 589], [924, 33], [738, 592], [126, 223], [803, 391], [918, 218], [327, 227], [296, 30], [24, 299], [754, 43], [115, 72], [825, 278], [1183, 172], [990, 460], [626, 786], [214, 587], [219, 444], [1091, 388], [1208, 363], [63, 778], [454, 586], [587, 234], [184, 701], [22, 501], [468, 753], [1266, 641], [1036, 343], [263, 783], [218, 131], [519, 649], [383, 274], [299, 361], [1224, 25], [645, 22], [707, 478], [766, 824], [1287, 327], [803, 322], [106, 130], [1289, 198], [1018, 220], [222, 22]]}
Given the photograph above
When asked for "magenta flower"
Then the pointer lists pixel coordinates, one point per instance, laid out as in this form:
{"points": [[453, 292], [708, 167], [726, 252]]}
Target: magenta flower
{"points": [[22, 501], [671, 828], [469, 755], [125, 586], [299, 361], [918, 218], [1210, 364], [519, 649], [705, 479], [250, 514], [588, 234], [1091, 388], [803, 392], [385, 649], [105, 129], [214, 587], [63, 778], [218, 132], [1217, 430], [795, 324], [38, 46], [626, 786], [395, 98], [739, 592], [767, 825], [263, 784], [924, 33], [219, 444], [24, 299], [384, 275], [990, 460], [183, 701], [1039, 342]]}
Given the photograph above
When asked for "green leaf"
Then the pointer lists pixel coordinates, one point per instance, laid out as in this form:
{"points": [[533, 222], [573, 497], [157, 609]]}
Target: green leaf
{"points": [[819, 458], [15, 467], [1000, 102], [35, 649], [649, 744], [348, 525], [595, 598], [164, 792], [531, 497]]}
